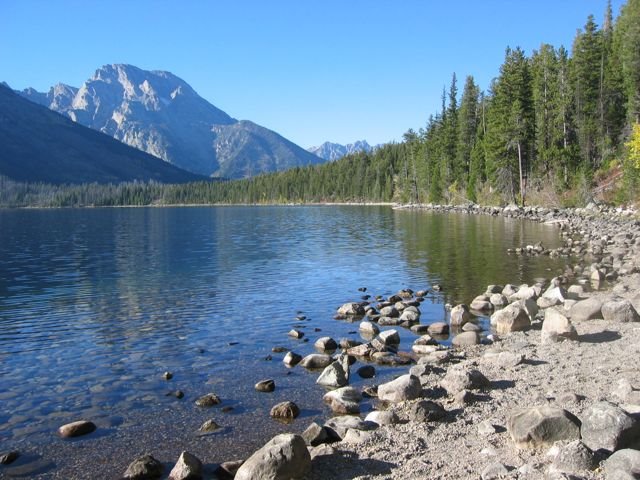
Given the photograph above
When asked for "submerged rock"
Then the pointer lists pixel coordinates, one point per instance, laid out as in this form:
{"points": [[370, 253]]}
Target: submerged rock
{"points": [[76, 429]]}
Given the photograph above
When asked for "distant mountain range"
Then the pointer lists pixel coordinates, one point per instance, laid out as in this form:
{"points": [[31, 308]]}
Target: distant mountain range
{"points": [[161, 114], [334, 151], [38, 145]]}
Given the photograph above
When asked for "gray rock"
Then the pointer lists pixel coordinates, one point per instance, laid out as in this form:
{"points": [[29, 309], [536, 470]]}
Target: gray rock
{"points": [[426, 411], [574, 457], [143, 468], [316, 361], [363, 350], [464, 397], [208, 400], [539, 426], [338, 426], [406, 387], [389, 311], [382, 417], [345, 400], [284, 457], [471, 327], [498, 300], [607, 427], [209, 426], [439, 328], [466, 338], [367, 371], [505, 359], [355, 436], [295, 333], [285, 411], [481, 304], [9, 457], [460, 315], [420, 329], [265, 386], [543, 302], [227, 470], [188, 467], [291, 359], [336, 374], [623, 462], [461, 378], [76, 429], [325, 344], [486, 428], [409, 316], [494, 471], [389, 337], [588, 309], [315, 435], [491, 289], [557, 325], [351, 309], [512, 318], [555, 293], [369, 328], [619, 311]]}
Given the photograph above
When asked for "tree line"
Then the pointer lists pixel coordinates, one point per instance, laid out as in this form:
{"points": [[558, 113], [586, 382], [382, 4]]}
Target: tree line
{"points": [[546, 127]]}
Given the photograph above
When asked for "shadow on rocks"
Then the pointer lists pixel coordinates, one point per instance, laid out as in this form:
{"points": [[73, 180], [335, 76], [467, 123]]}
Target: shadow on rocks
{"points": [[502, 384], [535, 363], [344, 465], [600, 337]]}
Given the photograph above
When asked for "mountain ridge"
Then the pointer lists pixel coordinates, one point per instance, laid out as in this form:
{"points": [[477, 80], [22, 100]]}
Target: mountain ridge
{"points": [[334, 151], [161, 114]]}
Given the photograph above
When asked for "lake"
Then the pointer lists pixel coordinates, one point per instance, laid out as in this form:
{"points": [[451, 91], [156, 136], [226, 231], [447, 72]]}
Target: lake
{"points": [[95, 304]]}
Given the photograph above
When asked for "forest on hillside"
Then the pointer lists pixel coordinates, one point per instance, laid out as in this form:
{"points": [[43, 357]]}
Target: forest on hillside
{"points": [[549, 128]]}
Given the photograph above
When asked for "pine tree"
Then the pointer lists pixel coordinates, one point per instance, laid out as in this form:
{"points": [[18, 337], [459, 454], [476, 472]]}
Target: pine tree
{"points": [[468, 115]]}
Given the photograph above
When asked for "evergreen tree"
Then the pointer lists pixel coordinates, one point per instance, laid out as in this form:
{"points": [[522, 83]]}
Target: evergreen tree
{"points": [[468, 115]]}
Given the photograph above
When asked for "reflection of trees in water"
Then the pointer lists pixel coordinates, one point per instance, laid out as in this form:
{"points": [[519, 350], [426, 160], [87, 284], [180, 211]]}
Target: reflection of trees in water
{"points": [[465, 253]]}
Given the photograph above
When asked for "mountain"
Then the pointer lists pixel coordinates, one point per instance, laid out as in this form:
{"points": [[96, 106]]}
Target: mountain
{"points": [[38, 145], [334, 151], [161, 114]]}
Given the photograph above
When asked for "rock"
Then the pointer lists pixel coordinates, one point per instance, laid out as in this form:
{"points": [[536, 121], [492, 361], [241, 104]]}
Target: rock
{"points": [[623, 464], [188, 467], [558, 294], [436, 358], [382, 417], [208, 400], [512, 318], [227, 470], [167, 375], [265, 386], [355, 436], [574, 457], [389, 311], [284, 457], [607, 427], [461, 378], [291, 359], [143, 468], [471, 327], [465, 397], [325, 344], [76, 429], [486, 428], [505, 359], [556, 327], [481, 304], [389, 321], [438, 328], [498, 300], [409, 316], [351, 309], [336, 374], [588, 309], [345, 400], [509, 290], [389, 337], [539, 426], [544, 303], [419, 329], [346, 343], [316, 361], [369, 328], [363, 350], [209, 426], [491, 289], [466, 338], [619, 311], [406, 387], [367, 371], [426, 411], [175, 393], [315, 435], [460, 315], [624, 392], [286, 411], [494, 471], [421, 349], [295, 333], [9, 457], [338, 426]]}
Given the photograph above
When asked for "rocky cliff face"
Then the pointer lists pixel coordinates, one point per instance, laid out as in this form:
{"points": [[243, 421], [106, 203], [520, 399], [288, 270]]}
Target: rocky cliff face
{"points": [[161, 114], [334, 151]]}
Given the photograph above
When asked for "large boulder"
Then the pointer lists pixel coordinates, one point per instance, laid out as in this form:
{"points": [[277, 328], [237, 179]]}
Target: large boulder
{"points": [[573, 458], [284, 457], [540, 426], [406, 387], [605, 426], [512, 318], [556, 327], [619, 310], [588, 309], [623, 464]]}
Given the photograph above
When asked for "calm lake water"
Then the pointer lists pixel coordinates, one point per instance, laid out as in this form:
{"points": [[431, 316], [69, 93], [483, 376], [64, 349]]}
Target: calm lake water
{"points": [[95, 304]]}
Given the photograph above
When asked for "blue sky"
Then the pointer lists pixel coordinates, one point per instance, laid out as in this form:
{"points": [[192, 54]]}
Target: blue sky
{"points": [[337, 70]]}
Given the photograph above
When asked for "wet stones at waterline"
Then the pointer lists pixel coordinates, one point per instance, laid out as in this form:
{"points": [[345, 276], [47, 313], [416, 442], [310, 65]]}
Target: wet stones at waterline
{"points": [[76, 429], [285, 411]]}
